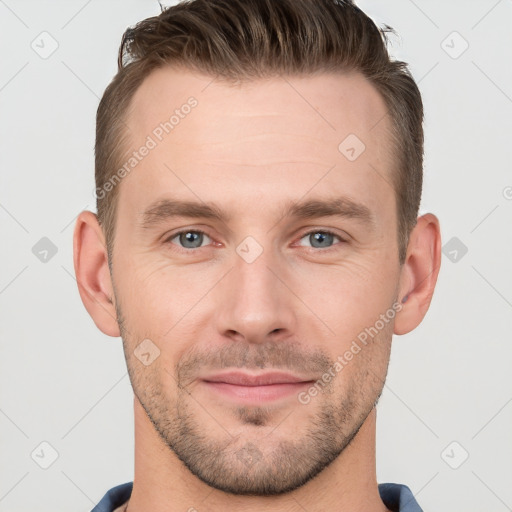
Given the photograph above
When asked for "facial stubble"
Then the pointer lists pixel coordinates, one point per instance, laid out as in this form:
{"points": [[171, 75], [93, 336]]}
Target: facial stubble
{"points": [[254, 463]]}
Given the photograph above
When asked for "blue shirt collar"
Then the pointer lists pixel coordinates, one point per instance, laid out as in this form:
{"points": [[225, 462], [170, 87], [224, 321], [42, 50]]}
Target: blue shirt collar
{"points": [[396, 497]]}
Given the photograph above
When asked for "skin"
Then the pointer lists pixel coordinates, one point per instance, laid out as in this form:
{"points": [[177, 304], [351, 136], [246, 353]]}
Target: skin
{"points": [[251, 149]]}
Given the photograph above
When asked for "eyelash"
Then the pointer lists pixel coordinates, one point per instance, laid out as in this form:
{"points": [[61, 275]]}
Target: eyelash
{"points": [[323, 231]]}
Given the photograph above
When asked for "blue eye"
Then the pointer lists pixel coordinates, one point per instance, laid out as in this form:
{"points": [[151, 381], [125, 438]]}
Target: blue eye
{"points": [[189, 239], [195, 239], [319, 239]]}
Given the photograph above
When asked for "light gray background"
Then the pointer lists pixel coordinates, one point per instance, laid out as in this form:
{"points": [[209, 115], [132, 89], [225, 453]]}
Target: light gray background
{"points": [[65, 383]]}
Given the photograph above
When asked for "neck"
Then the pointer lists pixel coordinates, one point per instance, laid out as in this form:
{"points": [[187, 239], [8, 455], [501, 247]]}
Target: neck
{"points": [[162, 483]]}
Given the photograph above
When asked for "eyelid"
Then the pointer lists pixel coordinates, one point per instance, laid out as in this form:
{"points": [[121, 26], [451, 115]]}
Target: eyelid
{"points": [[168, 237], [343, 238]]}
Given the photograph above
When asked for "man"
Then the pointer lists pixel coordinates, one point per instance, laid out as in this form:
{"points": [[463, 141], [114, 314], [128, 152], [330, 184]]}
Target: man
{"points": [[258, 174]]}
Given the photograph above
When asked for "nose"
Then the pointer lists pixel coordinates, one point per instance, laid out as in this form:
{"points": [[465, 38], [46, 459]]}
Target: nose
{"points": [[255, 303]]}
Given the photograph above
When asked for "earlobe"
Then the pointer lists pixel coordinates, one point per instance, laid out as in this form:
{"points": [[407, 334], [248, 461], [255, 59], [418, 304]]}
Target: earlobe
{"points": [[419, 273], [92, 273]]}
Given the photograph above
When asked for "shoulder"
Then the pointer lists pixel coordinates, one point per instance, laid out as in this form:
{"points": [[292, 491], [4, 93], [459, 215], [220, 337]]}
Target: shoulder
{"points": [[114, 498], [398, 498]]}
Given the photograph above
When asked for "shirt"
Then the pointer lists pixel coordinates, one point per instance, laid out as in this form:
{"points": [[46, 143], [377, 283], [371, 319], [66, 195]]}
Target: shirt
{"points": [[396, 497]]}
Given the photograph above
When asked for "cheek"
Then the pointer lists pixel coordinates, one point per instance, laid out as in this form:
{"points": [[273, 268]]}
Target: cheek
{"points": [[347, 298], [152, 288], [361, 366], [165, 303]]}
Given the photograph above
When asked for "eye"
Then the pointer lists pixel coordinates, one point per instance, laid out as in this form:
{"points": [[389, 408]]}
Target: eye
{"points": [[320, 239], [189, 239], [195, 239]]}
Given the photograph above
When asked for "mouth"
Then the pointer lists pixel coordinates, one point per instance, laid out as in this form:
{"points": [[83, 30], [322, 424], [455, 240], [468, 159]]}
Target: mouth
{"points": [[249, 388]]}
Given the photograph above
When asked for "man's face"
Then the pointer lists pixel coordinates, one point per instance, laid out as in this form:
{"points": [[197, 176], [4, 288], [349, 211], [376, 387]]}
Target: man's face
{"points": [[267, 289]]}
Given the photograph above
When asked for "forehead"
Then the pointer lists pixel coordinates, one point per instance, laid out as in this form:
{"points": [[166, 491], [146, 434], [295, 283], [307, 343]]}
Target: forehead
{"points": [[277, 136], [331, 104]]}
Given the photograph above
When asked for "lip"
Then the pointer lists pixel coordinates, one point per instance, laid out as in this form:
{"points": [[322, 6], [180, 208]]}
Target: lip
{"points": [[262, 379], [255, 388]]}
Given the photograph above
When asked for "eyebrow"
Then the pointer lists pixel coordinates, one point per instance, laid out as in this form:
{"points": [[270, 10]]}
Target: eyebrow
{"points": [[166, 209]]}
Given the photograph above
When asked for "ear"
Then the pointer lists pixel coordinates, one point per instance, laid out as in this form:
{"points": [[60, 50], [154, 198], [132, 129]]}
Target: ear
{"points": [[92, 273], [419, 273]]}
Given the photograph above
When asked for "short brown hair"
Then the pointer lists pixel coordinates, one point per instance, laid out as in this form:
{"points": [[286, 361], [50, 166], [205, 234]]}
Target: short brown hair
{"points": [[237, 40]]}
